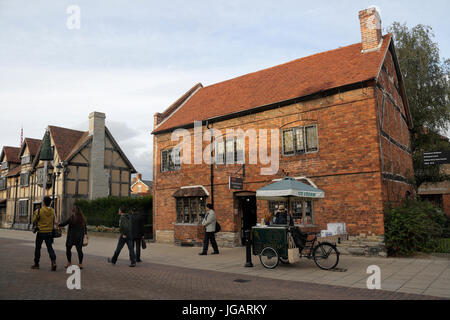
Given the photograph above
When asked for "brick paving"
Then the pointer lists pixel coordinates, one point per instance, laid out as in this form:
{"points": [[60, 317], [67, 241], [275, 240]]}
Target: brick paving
{"points": [[100, 280]]}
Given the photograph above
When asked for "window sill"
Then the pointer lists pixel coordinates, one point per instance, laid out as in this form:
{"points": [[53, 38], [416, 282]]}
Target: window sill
{"points": [[194, 224]]}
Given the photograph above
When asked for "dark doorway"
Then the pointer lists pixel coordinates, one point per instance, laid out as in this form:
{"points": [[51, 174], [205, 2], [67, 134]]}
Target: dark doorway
{"points": [[248, 214]]}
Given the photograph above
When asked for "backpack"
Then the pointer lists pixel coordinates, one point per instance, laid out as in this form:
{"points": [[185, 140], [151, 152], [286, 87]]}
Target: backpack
{"points": [[125, 224]]}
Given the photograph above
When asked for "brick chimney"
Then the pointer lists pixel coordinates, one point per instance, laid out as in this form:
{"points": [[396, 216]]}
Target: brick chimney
{"points": [[139, 176], [370, 22], [98, 178]]}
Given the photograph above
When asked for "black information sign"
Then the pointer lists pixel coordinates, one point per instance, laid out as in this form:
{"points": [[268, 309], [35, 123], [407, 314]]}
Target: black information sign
{"points": [[236, 183], [436, 157]]}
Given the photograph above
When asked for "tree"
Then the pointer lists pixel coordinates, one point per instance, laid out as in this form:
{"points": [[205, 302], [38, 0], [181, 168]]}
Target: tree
{"points": [[426, 78]]}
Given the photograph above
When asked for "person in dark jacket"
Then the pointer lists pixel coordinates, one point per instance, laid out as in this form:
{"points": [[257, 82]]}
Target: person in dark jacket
{"points": [[75, 234], [137, 230], [282, 216], [124, 238]]}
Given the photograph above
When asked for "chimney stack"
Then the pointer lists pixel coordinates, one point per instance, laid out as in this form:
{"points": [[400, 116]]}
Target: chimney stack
{"points": [[98, 179], [139, 176], [371, 37]]}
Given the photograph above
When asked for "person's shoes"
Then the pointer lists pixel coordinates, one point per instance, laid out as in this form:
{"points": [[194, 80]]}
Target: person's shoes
{"points": [[35, 266], [202, 254], [110, 261], [138, 260], [67, 265], [80, 266], [133, 265], [215, 252], [53, 266]]}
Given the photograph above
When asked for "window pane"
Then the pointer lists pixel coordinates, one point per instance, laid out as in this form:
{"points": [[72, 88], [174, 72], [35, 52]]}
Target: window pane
{"points": [[186, 210], [179, 210], [299, 140], [220, 152], [311, 138], [164, 163], [239, 150], [229, 149], [288, 142]]}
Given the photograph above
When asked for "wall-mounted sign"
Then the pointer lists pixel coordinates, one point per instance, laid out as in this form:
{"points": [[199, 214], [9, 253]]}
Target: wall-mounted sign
{"points": [[436, 157], [236, 183]]}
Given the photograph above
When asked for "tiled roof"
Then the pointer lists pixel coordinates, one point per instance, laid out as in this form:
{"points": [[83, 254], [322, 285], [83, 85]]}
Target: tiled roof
{"points": [[33, 145], [12, 154], [65, 140], [298, 78], [14, 172]]}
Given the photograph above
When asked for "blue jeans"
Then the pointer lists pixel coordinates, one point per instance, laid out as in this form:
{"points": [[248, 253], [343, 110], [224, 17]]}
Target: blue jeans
{"points": [[48, 238], [120, 244]]}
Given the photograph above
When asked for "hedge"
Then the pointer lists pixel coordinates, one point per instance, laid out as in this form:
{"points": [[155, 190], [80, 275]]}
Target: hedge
{"points": [[104, 211], [414, 226]]}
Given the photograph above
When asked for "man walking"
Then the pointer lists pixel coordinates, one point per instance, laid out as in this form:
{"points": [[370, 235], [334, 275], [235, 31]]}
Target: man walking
{"points": [[44, 219], [209, 222], [124, 238], [137, 228]]}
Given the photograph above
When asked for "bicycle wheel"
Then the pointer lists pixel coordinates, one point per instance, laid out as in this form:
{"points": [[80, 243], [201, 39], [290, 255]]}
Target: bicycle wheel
{"points": [[269, 258], [284, 261], [326, 256]]}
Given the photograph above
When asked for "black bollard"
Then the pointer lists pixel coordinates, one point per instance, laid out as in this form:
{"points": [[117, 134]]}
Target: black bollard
{"points": [[248, 247]]}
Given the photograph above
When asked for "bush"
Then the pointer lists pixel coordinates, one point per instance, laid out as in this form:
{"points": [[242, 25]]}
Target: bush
{"points": [[104, 211], [413, 227]]}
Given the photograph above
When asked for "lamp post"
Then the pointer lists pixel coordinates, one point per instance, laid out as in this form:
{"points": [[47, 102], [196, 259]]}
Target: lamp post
{"points": [[54, 175], [45, 155]]}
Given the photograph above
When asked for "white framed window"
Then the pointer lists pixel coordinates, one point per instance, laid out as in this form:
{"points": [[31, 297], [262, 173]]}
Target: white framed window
{"points": [[230, 151], [4, 165], [26, 159], [300, 140], [23, 207], [24, 179]]}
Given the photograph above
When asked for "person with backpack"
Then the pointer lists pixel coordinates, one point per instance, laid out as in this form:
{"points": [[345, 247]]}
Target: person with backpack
{"points": [[124, 238], [44, 220], [75, 235], [209, 222]]}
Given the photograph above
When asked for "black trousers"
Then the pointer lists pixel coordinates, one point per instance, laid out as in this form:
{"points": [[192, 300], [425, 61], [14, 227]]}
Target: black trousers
{"points": [[120, 244], [79, 248], [210, 236], [137, 245], [48, 239]]}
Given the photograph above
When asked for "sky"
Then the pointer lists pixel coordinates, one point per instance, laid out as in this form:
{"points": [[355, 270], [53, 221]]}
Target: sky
{"points": [[131, 59]]}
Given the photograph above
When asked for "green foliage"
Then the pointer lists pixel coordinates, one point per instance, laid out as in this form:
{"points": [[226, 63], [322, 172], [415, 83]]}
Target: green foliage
{"points": [[415, 226], [104, 211], [426, 80]]}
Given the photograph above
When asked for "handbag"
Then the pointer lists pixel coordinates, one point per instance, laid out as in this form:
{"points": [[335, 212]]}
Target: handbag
{"points": [[144, 245], [293, 254], [218, 227], [85, 240]]}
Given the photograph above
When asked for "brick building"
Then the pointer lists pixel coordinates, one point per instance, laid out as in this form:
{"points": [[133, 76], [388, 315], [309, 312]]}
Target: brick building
{"points": [[140, 187], [343, 122], [86, 165]]}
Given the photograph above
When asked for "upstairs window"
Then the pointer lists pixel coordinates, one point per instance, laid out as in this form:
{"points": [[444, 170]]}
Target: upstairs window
{"points": [[26, 159], [4, 165], [300, 140], [230, 151], [24, 179], [2, 183], [170, 161]]}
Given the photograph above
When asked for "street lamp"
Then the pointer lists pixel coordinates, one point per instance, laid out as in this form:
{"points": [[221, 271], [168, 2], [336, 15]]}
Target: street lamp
{"points": [[54, 175]]}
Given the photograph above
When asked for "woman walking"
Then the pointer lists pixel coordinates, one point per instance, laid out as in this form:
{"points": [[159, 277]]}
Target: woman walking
{"points": [[75, 234]]}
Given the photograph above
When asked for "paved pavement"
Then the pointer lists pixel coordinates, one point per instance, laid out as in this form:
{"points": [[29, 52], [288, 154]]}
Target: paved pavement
{"points": [[173, 272]]}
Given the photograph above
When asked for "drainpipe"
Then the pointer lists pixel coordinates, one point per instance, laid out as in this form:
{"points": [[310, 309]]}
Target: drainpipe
{"points": [[212, 166]]}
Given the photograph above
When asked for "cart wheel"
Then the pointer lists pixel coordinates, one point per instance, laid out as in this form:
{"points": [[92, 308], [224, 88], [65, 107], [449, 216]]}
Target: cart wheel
{"points": [[326, 256], [284, 260], [269, 257]]}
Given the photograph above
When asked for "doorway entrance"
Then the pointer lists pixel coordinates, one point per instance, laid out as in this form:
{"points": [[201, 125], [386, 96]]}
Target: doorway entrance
{"points": [[247, 205]]}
